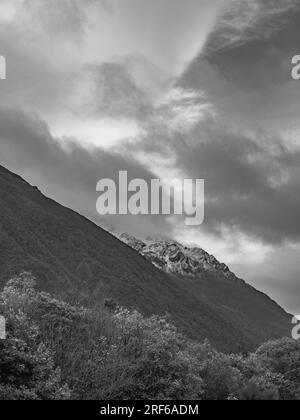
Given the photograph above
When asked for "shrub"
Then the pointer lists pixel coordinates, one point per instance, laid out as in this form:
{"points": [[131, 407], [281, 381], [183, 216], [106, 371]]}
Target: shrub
{"points": [[57, 351], [27, 369]]}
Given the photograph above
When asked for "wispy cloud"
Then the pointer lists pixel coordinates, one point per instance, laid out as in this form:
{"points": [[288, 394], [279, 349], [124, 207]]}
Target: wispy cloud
{"points": [[244, 20], [180, 110]]}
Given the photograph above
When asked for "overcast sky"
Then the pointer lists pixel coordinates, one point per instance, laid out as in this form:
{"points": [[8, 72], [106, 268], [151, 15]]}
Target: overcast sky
{"points": [[194, 88]]}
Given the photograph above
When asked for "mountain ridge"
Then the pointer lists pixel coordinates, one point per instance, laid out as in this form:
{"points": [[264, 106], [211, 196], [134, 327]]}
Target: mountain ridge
{"points": [[78, 261], [165, 253], [173, 257]]}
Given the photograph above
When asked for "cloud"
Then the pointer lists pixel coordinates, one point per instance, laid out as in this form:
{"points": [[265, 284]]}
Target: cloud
{"points": [[245, 20], [104, 102], [115, 94], [70, 33], [92, 68], [97, 103], [180, 110], [277, 275], [250, 82], [51, 18], [108, 95], [70, 174], [250, 186], [106, 107], [169, 33], [252, 183], [8, 9], [232, 247]]}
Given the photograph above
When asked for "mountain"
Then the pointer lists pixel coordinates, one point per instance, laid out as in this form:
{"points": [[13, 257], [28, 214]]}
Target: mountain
{"points": [[78, 261], [172, 257]]}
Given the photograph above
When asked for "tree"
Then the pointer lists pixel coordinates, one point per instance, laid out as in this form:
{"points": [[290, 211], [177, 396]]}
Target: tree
{"points": [[57, 351], [282, 357], [27, 370]]}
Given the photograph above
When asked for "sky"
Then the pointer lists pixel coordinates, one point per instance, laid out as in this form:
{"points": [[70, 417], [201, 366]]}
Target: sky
{"points": [[167, 88]]}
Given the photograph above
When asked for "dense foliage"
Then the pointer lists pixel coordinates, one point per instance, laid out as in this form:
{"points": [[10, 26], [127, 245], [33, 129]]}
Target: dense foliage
{"points": [[57, 351]]}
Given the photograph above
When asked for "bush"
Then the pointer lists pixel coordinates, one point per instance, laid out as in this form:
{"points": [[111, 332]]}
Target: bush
{"points": [[27, 370], [57, 351], [282, 357]]}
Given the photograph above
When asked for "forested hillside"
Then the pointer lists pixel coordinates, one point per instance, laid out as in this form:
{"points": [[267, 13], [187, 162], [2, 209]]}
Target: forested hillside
{"points": [[79, 262], [57, 351]]}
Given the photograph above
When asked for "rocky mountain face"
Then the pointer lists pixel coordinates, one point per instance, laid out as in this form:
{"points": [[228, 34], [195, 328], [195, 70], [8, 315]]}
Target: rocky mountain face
{"points": [[172, 257]]}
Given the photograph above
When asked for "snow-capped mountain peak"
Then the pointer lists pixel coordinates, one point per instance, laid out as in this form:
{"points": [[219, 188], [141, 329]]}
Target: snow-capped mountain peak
{"points": [[173, 257]]}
